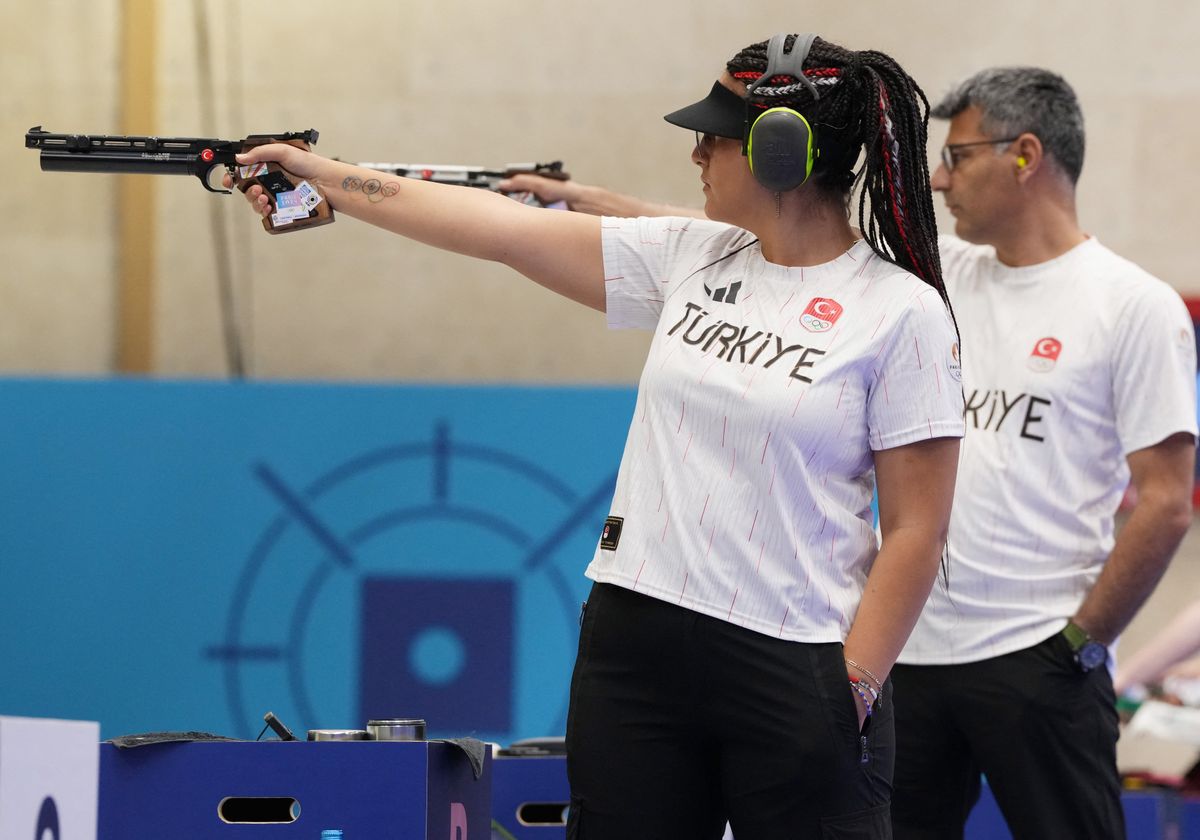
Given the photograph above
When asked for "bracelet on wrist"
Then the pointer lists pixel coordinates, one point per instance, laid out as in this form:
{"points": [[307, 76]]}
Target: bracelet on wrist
{"points": [[861, 685], [867, 702], [850, 663]]}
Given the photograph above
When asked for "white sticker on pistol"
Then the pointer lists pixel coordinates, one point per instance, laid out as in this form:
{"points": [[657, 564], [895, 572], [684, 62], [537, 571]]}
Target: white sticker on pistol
{"points": [[308, 194]]}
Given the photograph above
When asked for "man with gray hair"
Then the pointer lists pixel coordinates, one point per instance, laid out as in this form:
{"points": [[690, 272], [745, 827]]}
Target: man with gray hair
{"points": [[1079, 377], [1078, 370]]}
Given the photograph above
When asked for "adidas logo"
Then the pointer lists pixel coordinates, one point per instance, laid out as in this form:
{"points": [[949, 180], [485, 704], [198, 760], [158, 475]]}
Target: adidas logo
{"points": [[726, 294]]}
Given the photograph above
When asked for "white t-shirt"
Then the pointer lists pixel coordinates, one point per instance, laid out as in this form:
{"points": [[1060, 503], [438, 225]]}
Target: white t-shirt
{"points": [[745, 487], [1068, 366]]}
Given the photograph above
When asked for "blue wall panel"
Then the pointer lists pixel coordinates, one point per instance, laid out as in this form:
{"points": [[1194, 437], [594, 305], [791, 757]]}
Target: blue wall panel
{"points": [[191, 555]]}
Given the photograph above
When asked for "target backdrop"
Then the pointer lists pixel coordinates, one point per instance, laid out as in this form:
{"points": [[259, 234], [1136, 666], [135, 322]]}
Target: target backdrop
{"points": [[192, 555]]}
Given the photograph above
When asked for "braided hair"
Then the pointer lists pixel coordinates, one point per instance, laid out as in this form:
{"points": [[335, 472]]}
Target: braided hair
{"points": [[866, 100]]}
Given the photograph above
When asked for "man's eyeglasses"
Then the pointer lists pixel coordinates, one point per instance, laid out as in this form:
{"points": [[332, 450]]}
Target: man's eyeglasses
{"points": [[951, 156], [705, 141]]}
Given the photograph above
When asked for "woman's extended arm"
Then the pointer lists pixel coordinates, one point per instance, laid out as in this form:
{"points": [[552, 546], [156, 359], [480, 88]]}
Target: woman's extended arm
{"points": [[916, 486], [560, 251]]}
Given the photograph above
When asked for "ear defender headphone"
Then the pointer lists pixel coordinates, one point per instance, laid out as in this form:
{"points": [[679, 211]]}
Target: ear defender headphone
{"points": [[778, 143]]}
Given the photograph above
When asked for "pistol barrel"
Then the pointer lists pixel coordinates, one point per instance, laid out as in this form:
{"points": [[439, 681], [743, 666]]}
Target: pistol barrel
{"points": [[150, 163]]}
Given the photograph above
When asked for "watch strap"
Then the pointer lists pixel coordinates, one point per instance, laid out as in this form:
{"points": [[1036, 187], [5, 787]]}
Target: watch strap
{"points": [[1076, 636]]}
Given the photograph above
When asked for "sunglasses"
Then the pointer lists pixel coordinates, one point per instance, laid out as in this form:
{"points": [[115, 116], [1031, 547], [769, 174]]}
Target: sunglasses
{"points": [[705, 141]]}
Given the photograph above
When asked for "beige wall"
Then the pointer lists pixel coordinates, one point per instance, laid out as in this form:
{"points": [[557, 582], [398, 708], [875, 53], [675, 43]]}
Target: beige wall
{"points": [[467, 81]]}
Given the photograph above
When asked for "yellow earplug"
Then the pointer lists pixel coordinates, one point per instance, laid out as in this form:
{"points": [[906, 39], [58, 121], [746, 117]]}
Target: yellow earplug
{"points": [[1021, 162]]}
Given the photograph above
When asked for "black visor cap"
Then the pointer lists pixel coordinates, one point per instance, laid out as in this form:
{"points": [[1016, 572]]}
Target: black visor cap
{"points": [[722, 113]]}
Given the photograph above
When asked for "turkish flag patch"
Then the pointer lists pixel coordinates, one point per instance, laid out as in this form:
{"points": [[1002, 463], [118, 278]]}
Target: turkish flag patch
{"points": [[1045, 354], [821, 314]]}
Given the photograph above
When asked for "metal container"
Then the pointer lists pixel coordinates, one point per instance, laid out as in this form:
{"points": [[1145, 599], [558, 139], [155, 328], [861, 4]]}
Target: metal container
{"points": [[398, 729], [338, 735]]}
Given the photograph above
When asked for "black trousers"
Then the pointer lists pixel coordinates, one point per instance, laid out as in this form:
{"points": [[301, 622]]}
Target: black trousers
{"points": [[679, 722], [1043, 733]]}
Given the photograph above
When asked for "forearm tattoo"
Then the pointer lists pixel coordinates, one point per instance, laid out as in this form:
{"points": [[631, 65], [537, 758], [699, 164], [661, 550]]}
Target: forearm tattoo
{"points": [[374, 189]]}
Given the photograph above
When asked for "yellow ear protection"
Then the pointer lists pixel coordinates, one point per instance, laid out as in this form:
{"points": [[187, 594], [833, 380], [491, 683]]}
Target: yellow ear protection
{"points": [[1021, 162], [779, 142]]}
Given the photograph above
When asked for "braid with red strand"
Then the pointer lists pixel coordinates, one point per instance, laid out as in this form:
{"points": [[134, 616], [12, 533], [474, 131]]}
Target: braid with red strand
{"points": [[867, 102], [897, 171]]}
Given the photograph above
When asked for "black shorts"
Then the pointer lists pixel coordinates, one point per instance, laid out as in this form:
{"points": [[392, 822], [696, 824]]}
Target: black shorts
{"points": [[1043, 733], [680, 721]]}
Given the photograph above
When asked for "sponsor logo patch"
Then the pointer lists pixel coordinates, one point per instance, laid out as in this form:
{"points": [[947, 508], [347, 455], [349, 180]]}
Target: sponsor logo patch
{"points": [[725, 294]]}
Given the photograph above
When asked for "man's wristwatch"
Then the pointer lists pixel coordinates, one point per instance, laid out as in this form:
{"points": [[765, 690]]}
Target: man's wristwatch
{"points": [[1088, 652]]}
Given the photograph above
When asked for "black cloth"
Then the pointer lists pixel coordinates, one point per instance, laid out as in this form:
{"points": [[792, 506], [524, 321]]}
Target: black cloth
{"points": [[1043, 733], [473, 749], [149, 738], [679, 722]]}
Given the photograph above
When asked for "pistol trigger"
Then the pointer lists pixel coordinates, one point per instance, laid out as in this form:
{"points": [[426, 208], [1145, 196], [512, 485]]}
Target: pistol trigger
{"points": [[206, 179]]}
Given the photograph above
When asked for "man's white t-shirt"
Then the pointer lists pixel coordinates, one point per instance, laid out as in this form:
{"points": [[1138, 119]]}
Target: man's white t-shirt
{"points": [[745, 488], [1068, 367]]}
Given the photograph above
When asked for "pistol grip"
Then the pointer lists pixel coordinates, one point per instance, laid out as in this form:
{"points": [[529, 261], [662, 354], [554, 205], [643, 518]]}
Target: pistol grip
{"points": [[305, 196]]}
